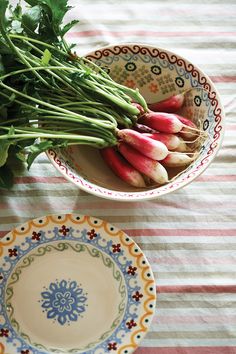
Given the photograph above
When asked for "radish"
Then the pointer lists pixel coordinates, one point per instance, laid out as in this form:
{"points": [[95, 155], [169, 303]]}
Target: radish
{"points": [[141, 128], [122, 168], [163, 122], [171, 141], [183, 146], [140, 108], [169, 105], [144, 164], [156, 150], [177, 159], [170, 123], [185, 132]]}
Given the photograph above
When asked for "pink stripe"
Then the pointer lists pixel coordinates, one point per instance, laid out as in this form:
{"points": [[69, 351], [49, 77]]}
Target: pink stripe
{"points": [[92, 33], [223, 78], [38, 179], [215, 289], [231, 126], [186, 350], [61, 179], [195, 320], [216, 178], [181, 232]]}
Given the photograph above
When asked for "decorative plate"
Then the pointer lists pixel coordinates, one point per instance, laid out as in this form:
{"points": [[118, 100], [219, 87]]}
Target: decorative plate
{"points": [[73, 284]]}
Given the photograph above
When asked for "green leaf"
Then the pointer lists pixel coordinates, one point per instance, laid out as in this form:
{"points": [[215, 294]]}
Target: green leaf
{"points": [[68, 26], [46, 57], [4, 48], [4, 147], [6, 177], [59, 8], [3, 7], [17, 11], [31, 18], [55, 9], [37, 149], [77, 76], [2, 67], [32, 2]]}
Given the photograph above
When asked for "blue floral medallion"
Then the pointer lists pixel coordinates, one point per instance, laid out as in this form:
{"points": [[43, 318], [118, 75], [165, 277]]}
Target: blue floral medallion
{"points": [[63, 301]]}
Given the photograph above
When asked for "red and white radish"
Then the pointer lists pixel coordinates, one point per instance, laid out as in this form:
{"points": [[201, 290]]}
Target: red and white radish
{"points": [[184, 145], [190, 130], [141, 128], [171, 141], [177, 159], [169, 105], [144, 164], [162, 122], [156, 150], [170, 123], [140, 108], [122, 168]]}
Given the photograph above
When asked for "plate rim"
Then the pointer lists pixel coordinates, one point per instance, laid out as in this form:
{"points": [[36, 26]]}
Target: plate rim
{"points": [[24, 229]]}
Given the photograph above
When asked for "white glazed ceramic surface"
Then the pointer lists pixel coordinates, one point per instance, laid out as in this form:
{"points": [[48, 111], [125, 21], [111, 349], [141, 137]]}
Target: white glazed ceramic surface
{"points": [[73, 284], [158, 74]]}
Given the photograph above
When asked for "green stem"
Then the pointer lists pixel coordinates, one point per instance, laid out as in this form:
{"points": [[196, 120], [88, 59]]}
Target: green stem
{"points": [[78, 138], [105, 78], [59, 109]]}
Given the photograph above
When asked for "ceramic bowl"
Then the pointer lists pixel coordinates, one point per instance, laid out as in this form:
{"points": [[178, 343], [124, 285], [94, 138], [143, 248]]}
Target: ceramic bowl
{"points": [[158, 73]]}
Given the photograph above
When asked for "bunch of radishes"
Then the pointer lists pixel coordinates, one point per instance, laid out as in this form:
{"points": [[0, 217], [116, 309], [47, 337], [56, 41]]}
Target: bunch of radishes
{"points": [[161, 140]]}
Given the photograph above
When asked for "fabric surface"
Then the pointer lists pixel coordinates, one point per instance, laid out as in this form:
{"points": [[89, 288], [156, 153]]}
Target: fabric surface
{"points": [[189, 236]]}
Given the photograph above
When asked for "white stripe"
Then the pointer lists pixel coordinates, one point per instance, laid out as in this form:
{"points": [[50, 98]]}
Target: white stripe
{"points": [[203, 326], [185, 239], [208, 297], [148, 224], [201, 267]]}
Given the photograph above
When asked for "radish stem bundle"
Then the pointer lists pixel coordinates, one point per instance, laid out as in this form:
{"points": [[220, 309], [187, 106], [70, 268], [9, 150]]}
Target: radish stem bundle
{"points": [[49, 92]]}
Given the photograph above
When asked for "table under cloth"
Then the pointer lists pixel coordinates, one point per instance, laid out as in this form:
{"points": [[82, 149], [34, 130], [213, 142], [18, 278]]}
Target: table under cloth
{"points": [[189, 236]]}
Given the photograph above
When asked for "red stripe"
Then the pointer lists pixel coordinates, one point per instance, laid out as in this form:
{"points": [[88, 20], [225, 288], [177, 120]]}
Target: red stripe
{"points": [[91, 33], [187, 350], [215, 289], [180, 232]]}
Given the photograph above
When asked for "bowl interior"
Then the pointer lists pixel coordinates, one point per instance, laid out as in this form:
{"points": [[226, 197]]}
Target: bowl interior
{"points": [[158, 74]]}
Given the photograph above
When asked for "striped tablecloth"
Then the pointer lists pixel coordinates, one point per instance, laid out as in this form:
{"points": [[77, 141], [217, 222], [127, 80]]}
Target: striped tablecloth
{"points": [[189, 236]]}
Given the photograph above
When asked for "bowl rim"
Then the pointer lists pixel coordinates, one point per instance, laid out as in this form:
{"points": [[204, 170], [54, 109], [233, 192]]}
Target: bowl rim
{"points": [[148, 194]]}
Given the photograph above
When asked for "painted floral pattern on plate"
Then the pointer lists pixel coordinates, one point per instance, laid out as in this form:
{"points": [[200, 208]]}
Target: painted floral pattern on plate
{"points": [[63, 301]]}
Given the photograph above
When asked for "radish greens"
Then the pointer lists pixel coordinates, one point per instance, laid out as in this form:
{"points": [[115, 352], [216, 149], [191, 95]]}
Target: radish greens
{"points": [[50, 93]]}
